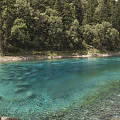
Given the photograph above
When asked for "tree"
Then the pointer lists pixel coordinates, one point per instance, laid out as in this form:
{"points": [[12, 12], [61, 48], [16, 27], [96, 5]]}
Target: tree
{"points": [[102, 36], [114, 13], [117, 12], [59, 24], [73, 35], [19, 35], [7, 18], [78, 11], [68, 14], [103, 11], [59, 6], [55, 29], [89, 11]]}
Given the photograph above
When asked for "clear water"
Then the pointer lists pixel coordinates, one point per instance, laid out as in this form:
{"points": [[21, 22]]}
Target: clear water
{"points": [[29, 90]]}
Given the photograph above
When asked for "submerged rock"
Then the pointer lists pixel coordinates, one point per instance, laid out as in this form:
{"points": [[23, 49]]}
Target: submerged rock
{"points": [[31, 95], [94, 117], [116, 118], [7, 118], [1, 98], [118, 95], [23, 85], [19, 90]]}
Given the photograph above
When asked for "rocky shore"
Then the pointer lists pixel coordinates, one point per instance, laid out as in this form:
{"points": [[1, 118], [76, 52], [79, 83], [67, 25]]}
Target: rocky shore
{"points": [[4, 59]]}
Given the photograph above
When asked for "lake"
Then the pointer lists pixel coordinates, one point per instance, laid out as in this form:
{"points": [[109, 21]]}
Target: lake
{"points": [[31, 90]]}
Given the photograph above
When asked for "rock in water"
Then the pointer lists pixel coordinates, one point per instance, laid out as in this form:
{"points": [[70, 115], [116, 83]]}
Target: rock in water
{"points": [[4, 118], [31, 95], [7, 118], [23, 85], [1, 98], [19, 90]]}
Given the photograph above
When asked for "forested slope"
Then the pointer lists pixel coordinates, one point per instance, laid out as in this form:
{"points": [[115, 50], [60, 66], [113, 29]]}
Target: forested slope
{"points": [[59, 25]]}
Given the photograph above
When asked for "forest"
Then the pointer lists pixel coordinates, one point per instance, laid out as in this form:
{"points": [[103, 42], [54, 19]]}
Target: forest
{"points": [[59, 25]]}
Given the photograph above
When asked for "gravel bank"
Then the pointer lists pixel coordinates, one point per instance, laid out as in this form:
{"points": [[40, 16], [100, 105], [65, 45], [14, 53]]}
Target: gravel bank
{"points": [[4, 59]]}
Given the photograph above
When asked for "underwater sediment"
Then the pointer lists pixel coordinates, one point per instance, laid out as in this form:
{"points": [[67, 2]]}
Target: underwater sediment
{"points": [[52, 89]]}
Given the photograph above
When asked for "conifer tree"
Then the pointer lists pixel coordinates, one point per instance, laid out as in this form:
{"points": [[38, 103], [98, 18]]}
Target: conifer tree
{"points": [[118, 15], [68, 14], [89, 11], [78, 11], [1, 4], [103, 11], [114, 13], [58, 6]]}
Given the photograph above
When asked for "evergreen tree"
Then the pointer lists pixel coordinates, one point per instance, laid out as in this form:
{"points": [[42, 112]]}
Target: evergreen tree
{"points": [[89, 11], [8, 15], [117, 26], [59, 24], [103, 11], [68, 14], [59, 6], [1, 4], [114, 13], [78, 11], [19, 34], [73, 34]]}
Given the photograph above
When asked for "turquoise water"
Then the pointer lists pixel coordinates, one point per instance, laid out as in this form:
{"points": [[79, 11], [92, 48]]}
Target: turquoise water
{"points": [[29, 90]]}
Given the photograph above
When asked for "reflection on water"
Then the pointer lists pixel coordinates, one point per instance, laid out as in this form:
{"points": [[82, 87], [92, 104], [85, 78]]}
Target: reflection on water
{"points": [[31, 89]]}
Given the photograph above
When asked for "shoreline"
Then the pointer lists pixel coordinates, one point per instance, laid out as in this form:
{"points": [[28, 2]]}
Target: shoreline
{"points": [[4, 59]]}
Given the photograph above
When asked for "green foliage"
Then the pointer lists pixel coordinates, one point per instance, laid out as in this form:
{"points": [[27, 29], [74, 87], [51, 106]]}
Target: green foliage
{"points": [[78, 10], [68, 14], [59, 6], [19, 34], [73, 35], [55, 28], [80, 25], [102, 36], [89, 11]]}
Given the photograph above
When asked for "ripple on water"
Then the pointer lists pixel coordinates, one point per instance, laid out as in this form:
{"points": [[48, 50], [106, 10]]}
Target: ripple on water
{"points": [[33, 89]]}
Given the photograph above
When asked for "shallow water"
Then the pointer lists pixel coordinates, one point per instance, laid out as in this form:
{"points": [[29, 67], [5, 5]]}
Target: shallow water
{"points": [[29, 90]]}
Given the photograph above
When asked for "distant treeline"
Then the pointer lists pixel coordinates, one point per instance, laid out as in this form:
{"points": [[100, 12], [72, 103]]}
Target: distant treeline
{"points": [[36, 25]]}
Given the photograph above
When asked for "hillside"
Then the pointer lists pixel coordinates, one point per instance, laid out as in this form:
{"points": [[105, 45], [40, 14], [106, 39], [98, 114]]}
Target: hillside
{"points": [[59, 25]]}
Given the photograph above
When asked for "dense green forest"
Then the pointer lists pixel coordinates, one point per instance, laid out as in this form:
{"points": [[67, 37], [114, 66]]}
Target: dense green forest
{"points": [[59, 25]]}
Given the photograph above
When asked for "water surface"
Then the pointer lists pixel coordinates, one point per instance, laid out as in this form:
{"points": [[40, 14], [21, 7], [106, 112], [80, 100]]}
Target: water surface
{"points": [[29, 90]]}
